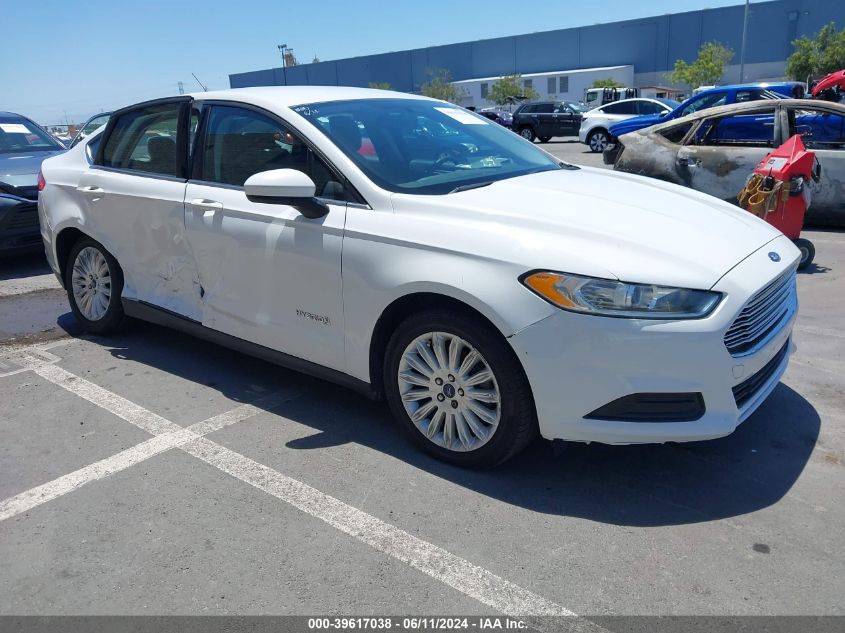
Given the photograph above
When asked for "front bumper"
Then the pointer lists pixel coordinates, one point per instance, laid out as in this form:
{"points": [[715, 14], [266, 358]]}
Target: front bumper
{"points": [[19, 229], [577, 363]]}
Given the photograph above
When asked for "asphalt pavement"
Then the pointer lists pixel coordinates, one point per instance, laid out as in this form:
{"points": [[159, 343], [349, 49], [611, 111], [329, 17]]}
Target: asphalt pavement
{"points": [[152, 473]]}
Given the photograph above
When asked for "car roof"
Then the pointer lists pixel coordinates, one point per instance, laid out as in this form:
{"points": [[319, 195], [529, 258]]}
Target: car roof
{"points": [[11, 114], [289, 96], [749, 106]]}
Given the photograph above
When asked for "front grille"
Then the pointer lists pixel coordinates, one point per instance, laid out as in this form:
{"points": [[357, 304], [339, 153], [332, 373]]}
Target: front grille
{"points": [[763, 315], [749, 387]]}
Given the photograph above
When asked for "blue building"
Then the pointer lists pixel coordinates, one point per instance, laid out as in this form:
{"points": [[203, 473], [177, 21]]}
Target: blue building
{"points": [[651, 45]]}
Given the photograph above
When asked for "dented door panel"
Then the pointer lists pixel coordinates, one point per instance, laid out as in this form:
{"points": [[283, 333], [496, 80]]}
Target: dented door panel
{"points": [[269, 275], [141, 219]]}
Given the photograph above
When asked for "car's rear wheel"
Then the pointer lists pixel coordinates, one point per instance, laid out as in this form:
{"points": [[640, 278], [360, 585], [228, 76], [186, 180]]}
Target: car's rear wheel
{"points": [[545, 139], [94, 283], [598, 140], [455, 386], [527, 133]]}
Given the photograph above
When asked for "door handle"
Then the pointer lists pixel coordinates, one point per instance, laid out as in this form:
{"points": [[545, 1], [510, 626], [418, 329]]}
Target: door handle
{"points": [[209, 205], [92, 189], [686, 162]]}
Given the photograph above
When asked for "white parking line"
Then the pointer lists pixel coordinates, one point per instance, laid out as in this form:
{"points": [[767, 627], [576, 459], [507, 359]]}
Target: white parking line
{"points": [[454, 571], [136, 454], [458, 573]]}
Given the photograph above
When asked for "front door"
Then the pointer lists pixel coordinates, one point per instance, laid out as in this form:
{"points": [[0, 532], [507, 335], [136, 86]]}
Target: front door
{"points": [[721, 153], [134, 200], [268, 274]]}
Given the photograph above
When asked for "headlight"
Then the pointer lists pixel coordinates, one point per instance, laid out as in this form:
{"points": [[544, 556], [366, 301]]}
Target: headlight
{"points": [[609, 297]]}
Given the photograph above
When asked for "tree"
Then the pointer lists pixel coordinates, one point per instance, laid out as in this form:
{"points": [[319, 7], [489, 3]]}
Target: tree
{"points": [[607, 83], [440, 86], [380, 85], [707, 69], [508, 88], [818, 55]]}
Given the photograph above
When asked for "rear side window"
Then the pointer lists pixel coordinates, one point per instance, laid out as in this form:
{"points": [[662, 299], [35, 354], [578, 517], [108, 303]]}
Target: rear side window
{"points": [[145, 140]]}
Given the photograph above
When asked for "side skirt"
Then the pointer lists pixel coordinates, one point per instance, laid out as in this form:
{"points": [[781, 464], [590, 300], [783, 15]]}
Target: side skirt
{"points": [[154, 314]]}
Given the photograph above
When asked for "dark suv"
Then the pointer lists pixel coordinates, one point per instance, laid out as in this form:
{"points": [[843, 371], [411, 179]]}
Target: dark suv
{"points": [[545, 119]]}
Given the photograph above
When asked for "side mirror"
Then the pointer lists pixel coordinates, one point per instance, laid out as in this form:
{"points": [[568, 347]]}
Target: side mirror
{"points": [[285, 186]]}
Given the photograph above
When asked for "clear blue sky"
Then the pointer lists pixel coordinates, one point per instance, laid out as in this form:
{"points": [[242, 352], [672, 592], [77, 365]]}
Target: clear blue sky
{"points": [[84, 56]]}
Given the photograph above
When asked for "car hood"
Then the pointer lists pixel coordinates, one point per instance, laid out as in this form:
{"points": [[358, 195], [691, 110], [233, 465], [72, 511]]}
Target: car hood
{"points": [[594, 222], [636, 123], [21, 170]]}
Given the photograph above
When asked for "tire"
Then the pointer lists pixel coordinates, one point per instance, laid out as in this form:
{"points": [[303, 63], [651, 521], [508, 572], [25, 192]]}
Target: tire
{"points": [[527, 133], [482, 433], [545, 139], [97, 307], [808, 252], [598, 140]]}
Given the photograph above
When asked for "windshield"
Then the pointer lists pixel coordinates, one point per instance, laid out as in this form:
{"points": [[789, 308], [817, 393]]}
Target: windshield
{"points": [[577, 107], [424, 147], [19, 135]]}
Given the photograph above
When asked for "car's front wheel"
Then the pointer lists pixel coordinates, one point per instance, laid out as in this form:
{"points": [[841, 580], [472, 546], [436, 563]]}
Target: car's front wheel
{"points": [[94, 283], [598, 140], [528, 134], [456, 387]]}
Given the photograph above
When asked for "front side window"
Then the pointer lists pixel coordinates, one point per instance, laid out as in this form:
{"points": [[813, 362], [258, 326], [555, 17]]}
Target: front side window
{"points": [[240, 142], [145, 140], [19, 135], [746, 130], [621, 107], [544, 108], [649, 107], [676, 133], [419, 146]]}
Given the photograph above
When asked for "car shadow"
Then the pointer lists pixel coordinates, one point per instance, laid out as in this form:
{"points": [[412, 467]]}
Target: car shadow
{"points": [[646, 485], [814, 269]]}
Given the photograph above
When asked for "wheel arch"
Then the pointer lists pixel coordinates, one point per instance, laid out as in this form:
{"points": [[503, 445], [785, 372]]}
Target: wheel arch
{"points": [[402, 307], [64, 241]]}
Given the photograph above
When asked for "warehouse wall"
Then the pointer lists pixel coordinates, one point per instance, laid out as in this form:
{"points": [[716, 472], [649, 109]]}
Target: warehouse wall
{"points": [[651, 44]]}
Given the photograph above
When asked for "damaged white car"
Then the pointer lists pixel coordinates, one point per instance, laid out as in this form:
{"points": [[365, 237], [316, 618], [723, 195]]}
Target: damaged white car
{"points": [[414, 250]]}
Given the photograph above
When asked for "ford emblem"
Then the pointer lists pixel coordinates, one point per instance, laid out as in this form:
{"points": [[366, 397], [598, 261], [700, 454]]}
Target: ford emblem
{"points": [[774, 256]]}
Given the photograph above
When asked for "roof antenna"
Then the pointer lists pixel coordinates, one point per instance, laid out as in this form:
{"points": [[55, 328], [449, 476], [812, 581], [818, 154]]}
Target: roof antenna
{"points": [[200, 83]]}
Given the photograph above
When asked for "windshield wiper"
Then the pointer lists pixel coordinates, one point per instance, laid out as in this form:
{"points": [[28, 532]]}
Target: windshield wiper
{"points": [[475, 185]]}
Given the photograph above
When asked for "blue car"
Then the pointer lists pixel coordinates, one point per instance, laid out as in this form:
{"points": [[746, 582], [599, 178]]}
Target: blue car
{"points": [[710, 98]]}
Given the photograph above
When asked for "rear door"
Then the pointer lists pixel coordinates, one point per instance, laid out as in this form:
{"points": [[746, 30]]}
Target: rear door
{"points": [[133, 197], [822, 130], [268, 274]]}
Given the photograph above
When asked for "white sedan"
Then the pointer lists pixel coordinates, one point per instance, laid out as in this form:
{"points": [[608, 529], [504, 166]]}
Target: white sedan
{"points": [[418, 252], [596, 123]]}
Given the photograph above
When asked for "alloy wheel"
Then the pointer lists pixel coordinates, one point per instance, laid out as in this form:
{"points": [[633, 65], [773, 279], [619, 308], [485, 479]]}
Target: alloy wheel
{"points": [[449, 391], [91, 283], [598, 141]]}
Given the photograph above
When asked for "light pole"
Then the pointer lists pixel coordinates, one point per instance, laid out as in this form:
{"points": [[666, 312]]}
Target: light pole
{"points": [[742, 48], [282, 48]]}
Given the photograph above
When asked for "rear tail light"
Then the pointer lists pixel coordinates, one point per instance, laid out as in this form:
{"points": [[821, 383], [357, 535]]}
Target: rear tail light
{"points": [[41, 182]]}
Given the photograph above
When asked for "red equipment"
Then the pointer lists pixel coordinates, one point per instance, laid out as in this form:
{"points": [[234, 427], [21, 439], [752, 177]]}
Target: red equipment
{"points": [[778, 191], [830, 86]]}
